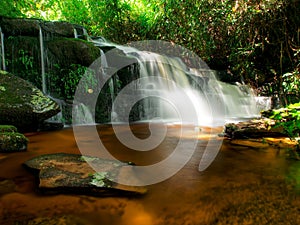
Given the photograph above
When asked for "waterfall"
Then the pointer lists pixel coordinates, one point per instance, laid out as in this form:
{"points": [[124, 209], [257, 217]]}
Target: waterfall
{"points": [[171, 69], [2, 50], [85, 33], [212, 99], [75, 33], [44, 86], [58, 118], [111, 84], [82, 114], [263, 102], [240, 101], [104, 66]]}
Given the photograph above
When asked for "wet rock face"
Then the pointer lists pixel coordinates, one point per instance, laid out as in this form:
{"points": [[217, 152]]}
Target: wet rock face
{"points": [[58, 48], [18, 26], [31, 27], [22, 104], [72, 173]]}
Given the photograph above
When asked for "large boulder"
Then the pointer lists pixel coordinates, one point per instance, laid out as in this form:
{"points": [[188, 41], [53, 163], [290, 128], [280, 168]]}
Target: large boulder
{"points": [[20, 26], [22, 104], [31, 27], [66, 51]]}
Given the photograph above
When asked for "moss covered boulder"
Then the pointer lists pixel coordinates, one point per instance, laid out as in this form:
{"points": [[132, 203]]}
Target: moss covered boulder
{"points": [[11, 140], [22, 104], [67, 51]]}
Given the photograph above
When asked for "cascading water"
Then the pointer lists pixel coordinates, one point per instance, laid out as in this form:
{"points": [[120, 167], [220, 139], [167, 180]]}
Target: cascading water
{"points": [[240, 102], [83, 114], [175, 73], [44, 85], [212, 99], [2, 50], [75, 33]]}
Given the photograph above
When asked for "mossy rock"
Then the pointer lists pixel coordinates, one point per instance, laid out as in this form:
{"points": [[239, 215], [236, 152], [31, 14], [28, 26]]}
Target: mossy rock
{"points": [[7, 128], [256, 128], [12, 142], [67, 51], [22, 104], [19, 26], [31, 27]]}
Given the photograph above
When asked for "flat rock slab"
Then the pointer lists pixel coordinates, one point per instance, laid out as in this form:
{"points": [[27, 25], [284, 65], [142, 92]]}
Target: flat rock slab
{"points": [[72, 173]]}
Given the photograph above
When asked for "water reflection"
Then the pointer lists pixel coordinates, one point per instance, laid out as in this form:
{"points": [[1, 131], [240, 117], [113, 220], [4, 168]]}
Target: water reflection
{"points": [[242, 186]]}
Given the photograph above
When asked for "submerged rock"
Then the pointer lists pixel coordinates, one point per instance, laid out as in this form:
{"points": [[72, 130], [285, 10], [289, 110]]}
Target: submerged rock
{"points": [[56, 220], [22, 104], [72, 173], [11, 140]]}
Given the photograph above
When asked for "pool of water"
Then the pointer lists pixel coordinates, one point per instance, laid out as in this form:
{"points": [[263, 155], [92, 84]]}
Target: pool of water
{"points": [[243, 185]]}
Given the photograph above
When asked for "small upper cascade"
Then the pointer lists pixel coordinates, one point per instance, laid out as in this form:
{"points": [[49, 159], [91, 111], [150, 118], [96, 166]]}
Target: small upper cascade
{"points": [[41, 40], [75, 33], [80, 32], [104, 63], [2, 65]]}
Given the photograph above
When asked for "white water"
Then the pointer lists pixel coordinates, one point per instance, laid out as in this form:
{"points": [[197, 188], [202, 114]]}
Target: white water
{"points": [[215, 102], [263, 102], [2, 50], [75, 33], [172, 93], [44, 85], [240, 102], [82, 114]]}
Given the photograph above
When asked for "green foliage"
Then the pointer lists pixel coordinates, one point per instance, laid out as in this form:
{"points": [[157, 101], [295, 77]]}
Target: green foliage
{"points": [[24, 65], [64, 81], [291, 84], [12, 8], [25, 59], [288, 118], [101, 179]]}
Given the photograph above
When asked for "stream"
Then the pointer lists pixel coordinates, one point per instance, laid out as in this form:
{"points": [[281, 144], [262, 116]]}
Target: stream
{"points": [[243, 185]]}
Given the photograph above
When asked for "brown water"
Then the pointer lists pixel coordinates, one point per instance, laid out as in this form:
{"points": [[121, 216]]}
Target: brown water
{"points": [[242, 186]]}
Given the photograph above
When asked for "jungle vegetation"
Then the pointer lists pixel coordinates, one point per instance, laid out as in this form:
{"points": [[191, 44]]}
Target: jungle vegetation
{"points": [[255, 41]]}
